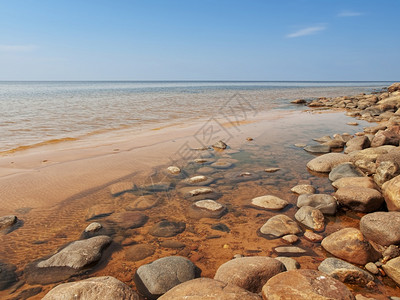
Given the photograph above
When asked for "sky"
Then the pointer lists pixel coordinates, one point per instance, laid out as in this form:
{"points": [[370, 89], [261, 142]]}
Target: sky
{"points": [[199, 40]]}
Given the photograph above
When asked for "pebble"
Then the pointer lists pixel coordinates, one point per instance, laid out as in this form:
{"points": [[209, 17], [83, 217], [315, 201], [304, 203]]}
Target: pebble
{"points": [[303, 189], [173, 170], [93, 227], [272, 170], [372, 268], [313, 237], [290, 238]]}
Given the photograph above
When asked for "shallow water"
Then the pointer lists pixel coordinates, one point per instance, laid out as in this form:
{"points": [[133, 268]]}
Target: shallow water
{"points": [[37, 113], [45, 230]]}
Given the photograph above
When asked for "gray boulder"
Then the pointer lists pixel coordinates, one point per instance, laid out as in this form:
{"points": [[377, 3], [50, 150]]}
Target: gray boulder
{"points": [[344, 170], [324, 202], [311, 217]]}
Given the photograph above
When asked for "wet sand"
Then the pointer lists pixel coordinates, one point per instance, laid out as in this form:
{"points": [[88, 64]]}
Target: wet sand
{"points": [[52, 188]]}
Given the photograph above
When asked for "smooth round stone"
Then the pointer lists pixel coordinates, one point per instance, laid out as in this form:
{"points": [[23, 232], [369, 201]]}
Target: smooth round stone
{"points": [[372, 268], [203, 161], [173, 244], [167, 228], [303, 189], [292, 250], [290, 238], [381, 227], [221, 164], [129, 219], [317, 148], [99, 211], [221, 227], [141, 202], [269, 202], [278, 226], [173, 170], [365, 182], [325, 163], [105, 287], [206, 209], [272, 170], [93, 227], [313, 237], [7, 221], [209, 205], [198, 193], [139, 252], [121, 187], [198, 180]]}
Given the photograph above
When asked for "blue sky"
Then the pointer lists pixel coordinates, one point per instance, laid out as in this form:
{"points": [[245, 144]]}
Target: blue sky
{"points": [[199, 40]]}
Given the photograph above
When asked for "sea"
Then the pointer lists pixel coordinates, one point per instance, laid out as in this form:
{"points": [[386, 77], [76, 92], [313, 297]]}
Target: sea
{"points": [[37, 113]]}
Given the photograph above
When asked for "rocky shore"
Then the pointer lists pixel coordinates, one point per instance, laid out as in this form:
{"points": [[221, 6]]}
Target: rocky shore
{"points": [[363, 168]]}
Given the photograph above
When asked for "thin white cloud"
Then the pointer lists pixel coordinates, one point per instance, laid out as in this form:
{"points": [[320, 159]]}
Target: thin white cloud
{"points": [[306, 31], [17, 48], [348, 13]]}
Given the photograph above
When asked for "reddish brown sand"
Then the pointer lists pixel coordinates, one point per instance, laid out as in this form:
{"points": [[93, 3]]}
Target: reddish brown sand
{"points": [[51, 189]]}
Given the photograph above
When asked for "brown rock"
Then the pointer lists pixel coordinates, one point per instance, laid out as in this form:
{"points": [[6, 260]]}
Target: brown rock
{"points": [[326, 162], [303, 189], [206, 288], [305, 285], [250, 273], [313, 237], [357, 143], [394, 87], [278, 226], [391, 192], [385, 138], [386, 171], [311, 217], [381, 227], [362, 182], [392, 269], [139, 252], [129, 219], [359, 198]]}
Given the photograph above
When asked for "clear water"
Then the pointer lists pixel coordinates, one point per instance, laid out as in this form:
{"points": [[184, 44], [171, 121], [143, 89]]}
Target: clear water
{"points": [[40, 112]]}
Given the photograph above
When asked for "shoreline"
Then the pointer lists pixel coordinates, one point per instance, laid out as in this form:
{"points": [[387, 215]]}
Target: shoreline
{"points": [[273, 135]]}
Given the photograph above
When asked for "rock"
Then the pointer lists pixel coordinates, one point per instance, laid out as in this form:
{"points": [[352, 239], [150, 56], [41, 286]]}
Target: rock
{"points": [[372, 268], [367, 167], [303, 189], [381, 227], [394, 87], [68, 261], [385, 138], [206, 209], [99, 211], [28, 293], [121, 187], [386, 171], [352, 123], [349, 244], [392, 269], [323, 139], [359, 198], [155, 187], [198, 193], [326, 162], [344, 170], [317, 148], [174, 170], [250, 273], [93, 227], [272, 170], [142, 202], [391, 192], [139, 252], [7, 221], [221, 227], [221, 164], [105, 287], [206, 170], [390, 252], [305, 285], [300, 145], [313, 237], [298, 101], [172, 244], [220, 145], [311, 217], [278, 226], [345, 272], [325, 203], [335, 144], [269, 202], [362, 182], [357, 143], [129, 219], [370, 154], [7, 275], [198, 180], [290, 238], [167, 228], [290, 263], [289, 250], [158, 277], [206, 288]]}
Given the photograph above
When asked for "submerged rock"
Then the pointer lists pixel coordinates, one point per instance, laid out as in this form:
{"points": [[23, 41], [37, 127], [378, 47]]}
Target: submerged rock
{"points": [[167, 228], [250, 273], [156, 278], [220, 145], [206, 209], [345, 272], [129, 219], [199, 193], [206, 288], [198, 180], [139, 252], [269, 202], [7, 275], [278, 226], [105, 287], [142, 202], [305, 285], [121, 187], [349, 244]]}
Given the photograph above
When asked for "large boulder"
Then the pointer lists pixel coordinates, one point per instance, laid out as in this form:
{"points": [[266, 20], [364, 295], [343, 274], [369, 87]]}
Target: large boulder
{"points": [[324, 202], [278, 226], [105, 287], [206, 288], [311, 217], [381, 227], [305, 285], [344, 170], [349, 244], [250, 273], [344, 271], [326, 162], [391, 192], [359, 198], [156, 278], [364, 182], [69, 261]]}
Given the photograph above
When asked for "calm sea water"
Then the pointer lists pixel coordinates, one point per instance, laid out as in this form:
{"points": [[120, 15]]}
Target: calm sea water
{"points": [[38, 112]]}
